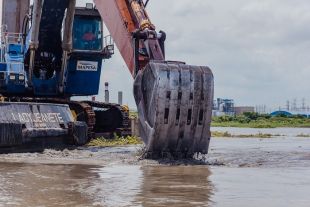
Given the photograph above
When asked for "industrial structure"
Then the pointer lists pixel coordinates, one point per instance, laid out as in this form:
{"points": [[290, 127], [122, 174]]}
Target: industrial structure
{"points": [[226, 107], [52, 51], [239, 110], [223, 107]]}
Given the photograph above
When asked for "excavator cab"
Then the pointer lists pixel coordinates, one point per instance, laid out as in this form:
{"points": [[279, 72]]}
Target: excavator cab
{"points": [[89, 48]]}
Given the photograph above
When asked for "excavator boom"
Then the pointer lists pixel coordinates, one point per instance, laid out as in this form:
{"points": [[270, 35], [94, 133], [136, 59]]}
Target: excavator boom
{"points": [[174, 100]]}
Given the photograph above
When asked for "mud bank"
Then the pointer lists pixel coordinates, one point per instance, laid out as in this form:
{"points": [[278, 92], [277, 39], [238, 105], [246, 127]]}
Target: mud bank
{"points": [[82, 156], [230, 152]]}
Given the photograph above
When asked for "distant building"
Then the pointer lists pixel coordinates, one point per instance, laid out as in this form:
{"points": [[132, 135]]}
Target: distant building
{"points": [[223, 107], [239, 110]]}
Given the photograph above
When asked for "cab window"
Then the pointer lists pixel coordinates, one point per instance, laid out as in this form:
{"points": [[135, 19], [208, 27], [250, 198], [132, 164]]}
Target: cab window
{"points": [[87, 33]]}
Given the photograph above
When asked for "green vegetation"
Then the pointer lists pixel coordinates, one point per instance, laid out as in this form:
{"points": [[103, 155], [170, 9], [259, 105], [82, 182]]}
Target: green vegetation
{"points": [[255, 120], [304, 135], [133, 114], [116, 141], [228, 135]]}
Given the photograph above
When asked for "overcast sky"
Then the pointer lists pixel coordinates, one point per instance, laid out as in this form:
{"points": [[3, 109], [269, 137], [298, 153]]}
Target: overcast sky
{"points": [[258, 49]]}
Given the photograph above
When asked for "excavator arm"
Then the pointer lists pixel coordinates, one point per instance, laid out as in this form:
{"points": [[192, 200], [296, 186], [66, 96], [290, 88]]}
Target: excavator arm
{"points": [[174, 100], [133, 32]]}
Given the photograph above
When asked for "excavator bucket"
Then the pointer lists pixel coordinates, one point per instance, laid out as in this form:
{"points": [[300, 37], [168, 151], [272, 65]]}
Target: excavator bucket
{"points": [[174, 103]]}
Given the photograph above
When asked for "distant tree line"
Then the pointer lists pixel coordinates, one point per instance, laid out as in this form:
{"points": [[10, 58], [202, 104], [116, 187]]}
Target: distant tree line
{"points": [[256, 120]]}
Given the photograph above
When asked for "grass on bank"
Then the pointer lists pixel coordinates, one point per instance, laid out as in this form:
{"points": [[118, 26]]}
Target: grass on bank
{"points": [[255, 120], [116, 141], [133, 114], [216, 134], [303, 135]]}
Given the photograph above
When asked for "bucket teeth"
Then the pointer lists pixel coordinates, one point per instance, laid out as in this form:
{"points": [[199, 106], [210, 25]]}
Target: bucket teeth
{"points": [[174, 102]]}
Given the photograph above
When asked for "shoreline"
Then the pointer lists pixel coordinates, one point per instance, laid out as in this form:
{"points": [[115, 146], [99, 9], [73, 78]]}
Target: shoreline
{"points": [[257, 126]]}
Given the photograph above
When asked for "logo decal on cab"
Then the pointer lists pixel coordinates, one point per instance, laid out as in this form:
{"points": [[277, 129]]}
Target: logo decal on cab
{"points": [[87, 66]]}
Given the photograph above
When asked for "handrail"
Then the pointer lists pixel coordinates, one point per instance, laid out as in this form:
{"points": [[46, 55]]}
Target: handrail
{"points": [[8, 38], [108, 40], [108, 46]]}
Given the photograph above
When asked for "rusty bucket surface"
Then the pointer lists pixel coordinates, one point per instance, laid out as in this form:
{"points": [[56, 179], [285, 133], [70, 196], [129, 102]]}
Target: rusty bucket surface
{"points": [[174, 102]]}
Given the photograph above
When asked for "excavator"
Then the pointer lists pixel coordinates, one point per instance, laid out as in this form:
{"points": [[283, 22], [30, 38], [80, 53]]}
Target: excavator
{"points": [[52, 51]]}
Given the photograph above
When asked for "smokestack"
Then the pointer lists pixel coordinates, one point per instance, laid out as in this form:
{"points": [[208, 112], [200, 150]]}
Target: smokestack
{"points": [[120, 98], [106, 93]]}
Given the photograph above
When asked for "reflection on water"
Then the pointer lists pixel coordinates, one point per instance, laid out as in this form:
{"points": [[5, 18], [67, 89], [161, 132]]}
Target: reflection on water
{"points": [[43, 185], [175, 186], [153, 186], [77, 185], [116, 186]]}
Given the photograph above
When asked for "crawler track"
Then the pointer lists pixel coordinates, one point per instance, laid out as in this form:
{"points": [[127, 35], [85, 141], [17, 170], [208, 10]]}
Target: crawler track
{"points": [[87, 111]]}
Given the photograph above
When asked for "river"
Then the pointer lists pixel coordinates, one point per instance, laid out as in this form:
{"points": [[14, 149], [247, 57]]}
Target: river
{"points": [[237, 172]]}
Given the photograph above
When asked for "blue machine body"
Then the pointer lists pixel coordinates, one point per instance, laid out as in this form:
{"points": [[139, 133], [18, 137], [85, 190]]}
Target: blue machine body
{"points": [[83, 76], [12, 73], [84, 63]]}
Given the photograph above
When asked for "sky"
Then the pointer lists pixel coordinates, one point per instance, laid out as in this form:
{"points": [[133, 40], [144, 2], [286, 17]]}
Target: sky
{"points": [[257, 49]]}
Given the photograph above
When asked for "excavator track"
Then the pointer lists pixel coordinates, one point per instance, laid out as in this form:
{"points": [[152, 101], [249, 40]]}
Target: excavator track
{"points": [[83, 111], [86, 111], [119, 115], [86, 114]]}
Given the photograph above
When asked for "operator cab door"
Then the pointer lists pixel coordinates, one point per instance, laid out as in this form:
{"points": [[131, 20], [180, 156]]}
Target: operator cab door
{"points": [[87, 33], [84, 65]]}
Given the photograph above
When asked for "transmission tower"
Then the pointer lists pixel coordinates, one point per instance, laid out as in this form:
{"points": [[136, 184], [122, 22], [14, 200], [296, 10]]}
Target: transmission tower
{"points": [[303, 104], [295, 104], [287, 105]]}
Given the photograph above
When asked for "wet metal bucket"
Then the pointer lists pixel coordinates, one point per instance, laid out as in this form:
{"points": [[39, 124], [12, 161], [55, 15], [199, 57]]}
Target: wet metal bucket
{"points": [[174, 102]]}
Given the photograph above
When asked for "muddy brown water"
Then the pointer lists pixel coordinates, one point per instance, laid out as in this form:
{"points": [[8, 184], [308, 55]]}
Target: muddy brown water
{"points": [[237, 172]]}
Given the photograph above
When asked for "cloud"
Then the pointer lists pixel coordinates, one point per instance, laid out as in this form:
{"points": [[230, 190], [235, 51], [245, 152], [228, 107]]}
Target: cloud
{"points": [[258, 49]]}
